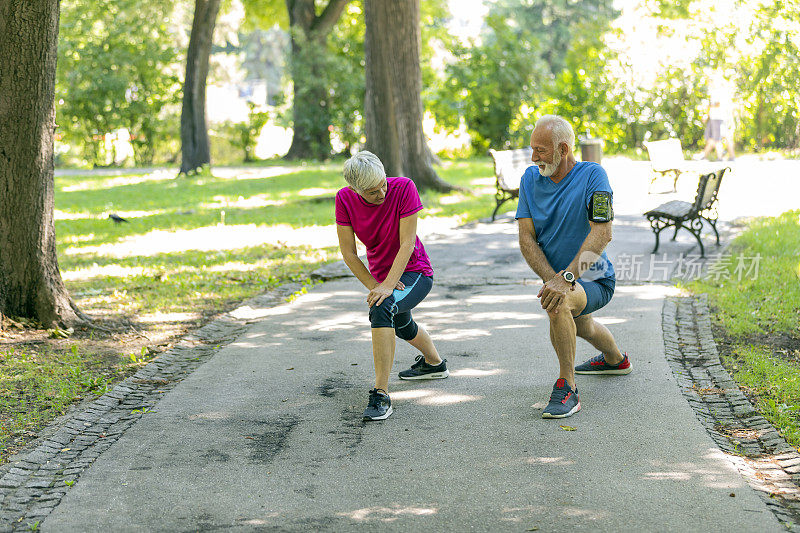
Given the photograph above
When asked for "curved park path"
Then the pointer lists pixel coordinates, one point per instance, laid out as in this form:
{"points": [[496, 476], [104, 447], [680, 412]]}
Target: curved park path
{"points": [[265, 435]]}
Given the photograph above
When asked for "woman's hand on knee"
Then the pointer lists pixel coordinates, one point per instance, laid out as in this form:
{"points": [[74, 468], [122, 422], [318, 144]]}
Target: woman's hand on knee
{"points": [[378, 294]]}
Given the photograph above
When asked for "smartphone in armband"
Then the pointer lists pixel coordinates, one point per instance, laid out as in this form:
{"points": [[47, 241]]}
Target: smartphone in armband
{"points": [[600, 208]]}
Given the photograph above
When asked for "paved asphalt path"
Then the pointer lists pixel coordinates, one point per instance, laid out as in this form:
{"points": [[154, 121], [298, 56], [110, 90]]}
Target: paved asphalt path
{"points": [[267, 435]]}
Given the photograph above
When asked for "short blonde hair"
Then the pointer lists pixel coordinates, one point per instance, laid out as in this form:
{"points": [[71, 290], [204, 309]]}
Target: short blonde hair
{"points": [[364, 171]]}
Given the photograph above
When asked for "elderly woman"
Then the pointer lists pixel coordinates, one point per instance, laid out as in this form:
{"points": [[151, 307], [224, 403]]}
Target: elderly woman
{"points": [[382, 213]]}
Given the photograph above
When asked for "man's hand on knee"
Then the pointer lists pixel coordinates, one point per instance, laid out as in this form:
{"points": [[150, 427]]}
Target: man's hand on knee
{"points": [[553, 294]]}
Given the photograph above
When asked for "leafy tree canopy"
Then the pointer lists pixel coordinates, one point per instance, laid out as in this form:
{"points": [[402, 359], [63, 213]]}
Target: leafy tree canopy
{"points": [[117, 68]]}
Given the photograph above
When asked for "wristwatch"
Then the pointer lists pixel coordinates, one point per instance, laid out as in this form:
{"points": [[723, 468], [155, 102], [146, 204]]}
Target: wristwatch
{"points": [[569, 277]]}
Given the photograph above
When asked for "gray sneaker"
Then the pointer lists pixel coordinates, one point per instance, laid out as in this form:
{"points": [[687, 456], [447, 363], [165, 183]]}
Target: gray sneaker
{"points": [[422, 370], [379, 406], [564, 401]]}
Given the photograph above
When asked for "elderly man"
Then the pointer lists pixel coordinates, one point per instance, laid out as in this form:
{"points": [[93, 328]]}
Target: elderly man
{"points": [[564, 214]]}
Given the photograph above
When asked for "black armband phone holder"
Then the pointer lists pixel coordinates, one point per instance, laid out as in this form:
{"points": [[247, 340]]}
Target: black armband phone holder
{"points": [[600, 208]]}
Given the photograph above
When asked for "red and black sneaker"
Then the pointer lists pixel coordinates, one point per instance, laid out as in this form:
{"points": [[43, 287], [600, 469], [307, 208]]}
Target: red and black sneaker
{"points": [[598, 365], [564, 401]]}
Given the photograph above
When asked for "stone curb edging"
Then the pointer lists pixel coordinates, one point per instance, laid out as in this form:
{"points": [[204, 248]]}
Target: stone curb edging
{"points": [[753, 445], [33, 482]]}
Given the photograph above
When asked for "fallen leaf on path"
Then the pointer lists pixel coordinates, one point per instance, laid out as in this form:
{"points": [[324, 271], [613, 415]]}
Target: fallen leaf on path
{"points": [[568, 428]]}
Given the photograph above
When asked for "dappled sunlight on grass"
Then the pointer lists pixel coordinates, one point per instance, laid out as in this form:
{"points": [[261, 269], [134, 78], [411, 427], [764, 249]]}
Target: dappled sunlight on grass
{"points": [[95, 271], [251, 173], [66, 215], [196, 246], [158, 317], [105, 182], [259, 200], [452, 199], [191, 282], [316, 191], [212, 238], [485, 182], [74, 239]]}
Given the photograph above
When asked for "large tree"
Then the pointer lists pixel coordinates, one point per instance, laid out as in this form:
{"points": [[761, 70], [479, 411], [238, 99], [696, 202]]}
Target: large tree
{"points": [[393, 106], [310, 58], [30, 282], [195, 149]]}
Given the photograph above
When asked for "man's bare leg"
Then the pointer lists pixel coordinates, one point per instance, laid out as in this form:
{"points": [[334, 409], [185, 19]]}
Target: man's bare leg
{"points": [[600, 337], [563, 332]]}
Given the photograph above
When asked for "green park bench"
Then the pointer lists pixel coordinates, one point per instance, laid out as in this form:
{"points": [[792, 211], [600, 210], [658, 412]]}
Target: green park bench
{"points": [[509, 166], [690, 216]]}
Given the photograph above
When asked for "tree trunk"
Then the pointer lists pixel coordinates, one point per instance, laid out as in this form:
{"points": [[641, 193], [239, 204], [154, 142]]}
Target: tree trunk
{"points": [[30, 282], [311, 138], [393, 105], [195, 150]]}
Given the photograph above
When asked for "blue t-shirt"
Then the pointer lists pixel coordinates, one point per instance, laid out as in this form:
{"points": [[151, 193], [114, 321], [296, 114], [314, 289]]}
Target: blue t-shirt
{"points": [[560, 214]]}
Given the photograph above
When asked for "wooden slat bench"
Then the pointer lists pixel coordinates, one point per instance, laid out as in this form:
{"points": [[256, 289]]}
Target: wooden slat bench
{"points": [[690, 216], [509, 166]]}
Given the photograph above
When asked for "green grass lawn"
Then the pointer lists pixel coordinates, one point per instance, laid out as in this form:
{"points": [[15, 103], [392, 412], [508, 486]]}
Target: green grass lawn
{"points": [[757, 319], [192, 248], [105, 275]]}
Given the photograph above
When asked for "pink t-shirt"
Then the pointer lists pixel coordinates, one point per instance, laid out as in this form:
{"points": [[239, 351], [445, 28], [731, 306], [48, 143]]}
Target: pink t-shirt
{"points": [[378, 226]]}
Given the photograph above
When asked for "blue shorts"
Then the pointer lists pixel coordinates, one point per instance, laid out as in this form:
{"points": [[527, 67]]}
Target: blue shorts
{"points": [[395, 311], [598, 293]]}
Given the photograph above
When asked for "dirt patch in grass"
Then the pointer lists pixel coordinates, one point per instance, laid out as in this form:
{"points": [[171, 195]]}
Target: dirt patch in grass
{"points": [[782, 345], [41, 376]]}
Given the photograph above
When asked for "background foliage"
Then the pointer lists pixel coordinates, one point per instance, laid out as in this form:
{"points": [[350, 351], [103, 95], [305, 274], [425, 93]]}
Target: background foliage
{"points": [[120, 66], [117, 68]]}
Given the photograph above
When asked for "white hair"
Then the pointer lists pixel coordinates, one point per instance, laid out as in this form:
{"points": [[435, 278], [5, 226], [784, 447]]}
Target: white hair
{"points": [[560, 129], [364, 171]]}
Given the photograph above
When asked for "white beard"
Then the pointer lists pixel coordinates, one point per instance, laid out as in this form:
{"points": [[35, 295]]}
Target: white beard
{"points": [[550, 168]]}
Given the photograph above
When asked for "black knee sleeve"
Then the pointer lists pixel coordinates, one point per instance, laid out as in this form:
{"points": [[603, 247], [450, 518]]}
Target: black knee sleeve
{"points": [[382, 316], [408, 331]]}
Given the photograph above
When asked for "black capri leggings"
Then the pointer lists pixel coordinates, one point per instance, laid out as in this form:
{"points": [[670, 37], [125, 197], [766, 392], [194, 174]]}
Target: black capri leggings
{"points": [[395, 311]]}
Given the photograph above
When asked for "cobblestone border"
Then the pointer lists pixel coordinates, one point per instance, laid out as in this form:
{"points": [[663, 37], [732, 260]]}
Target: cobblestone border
{"points": [[33, 482], [762, 456]]}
